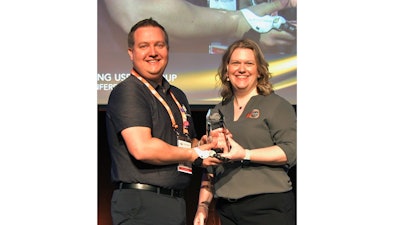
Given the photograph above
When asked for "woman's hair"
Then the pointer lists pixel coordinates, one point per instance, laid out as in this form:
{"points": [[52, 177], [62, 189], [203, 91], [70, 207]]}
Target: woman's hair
{"points": [[264, 86]]}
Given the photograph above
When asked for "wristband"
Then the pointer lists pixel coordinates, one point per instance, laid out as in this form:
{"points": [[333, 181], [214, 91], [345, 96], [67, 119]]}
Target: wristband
{"points": [[202, 154], [262, 24], [203, 205], [198, 162]]}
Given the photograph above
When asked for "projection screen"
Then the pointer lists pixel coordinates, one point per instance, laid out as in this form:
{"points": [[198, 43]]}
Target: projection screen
{"points": [[194, 58]]}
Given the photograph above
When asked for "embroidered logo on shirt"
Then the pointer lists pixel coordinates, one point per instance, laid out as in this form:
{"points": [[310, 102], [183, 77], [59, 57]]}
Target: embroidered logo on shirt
{"points": [[254, 114]]}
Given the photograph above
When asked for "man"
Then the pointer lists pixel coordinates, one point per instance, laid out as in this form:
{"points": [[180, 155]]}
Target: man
{"points": [[150, 134]]}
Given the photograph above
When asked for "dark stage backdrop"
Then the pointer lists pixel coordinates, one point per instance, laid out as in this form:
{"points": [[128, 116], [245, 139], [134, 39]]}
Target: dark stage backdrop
{"points": [[105, 187]]}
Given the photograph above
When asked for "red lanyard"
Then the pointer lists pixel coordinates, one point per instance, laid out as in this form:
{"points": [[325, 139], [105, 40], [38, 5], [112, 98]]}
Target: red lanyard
{"points": [[158, 96]]}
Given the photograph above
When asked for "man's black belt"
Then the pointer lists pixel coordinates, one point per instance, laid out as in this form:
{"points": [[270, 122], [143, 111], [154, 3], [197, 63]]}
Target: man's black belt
{"points": [[155, 189]]}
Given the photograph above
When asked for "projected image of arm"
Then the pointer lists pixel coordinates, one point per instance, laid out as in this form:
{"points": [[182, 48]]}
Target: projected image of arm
{"points": [[195, 26]]}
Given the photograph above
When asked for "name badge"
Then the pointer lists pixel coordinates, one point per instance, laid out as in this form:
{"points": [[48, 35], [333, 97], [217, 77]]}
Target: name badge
{"points": [[184, 167]]}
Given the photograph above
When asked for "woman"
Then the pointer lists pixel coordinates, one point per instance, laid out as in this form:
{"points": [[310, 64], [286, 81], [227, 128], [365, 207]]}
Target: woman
{"points": [[253, 187]]}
